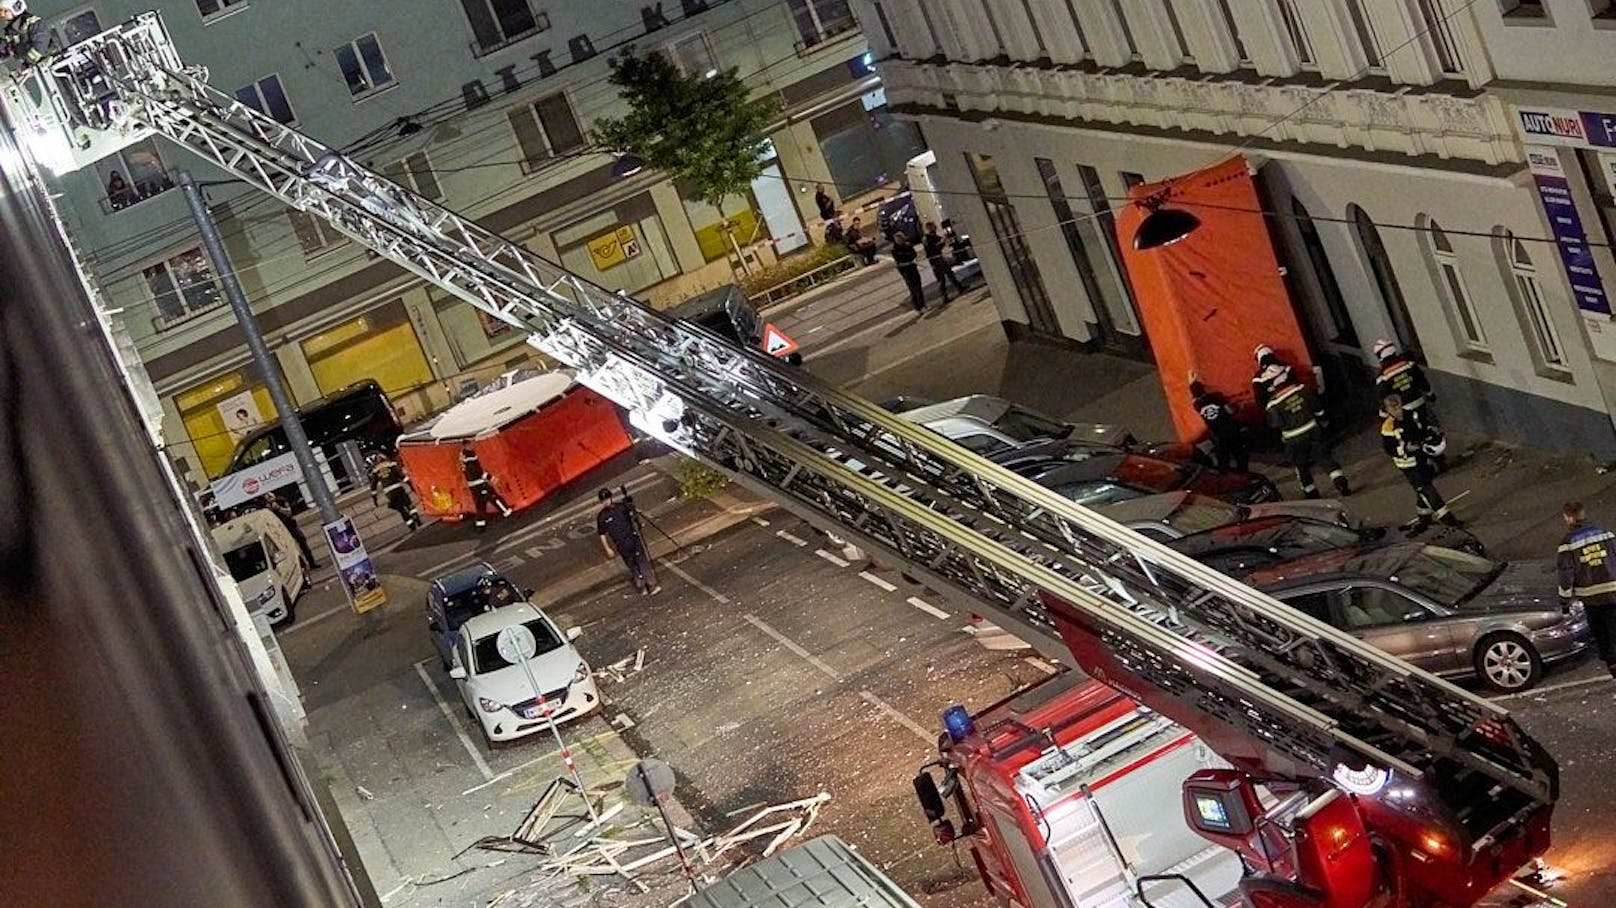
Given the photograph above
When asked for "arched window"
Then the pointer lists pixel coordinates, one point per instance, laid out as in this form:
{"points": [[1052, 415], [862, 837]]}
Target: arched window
{"points": [[1529, 297], [1380, 268], [1447, 266]]}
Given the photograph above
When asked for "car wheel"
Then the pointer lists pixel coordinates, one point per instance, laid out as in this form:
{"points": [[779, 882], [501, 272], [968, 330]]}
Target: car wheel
{"points": [[1507, 662]]}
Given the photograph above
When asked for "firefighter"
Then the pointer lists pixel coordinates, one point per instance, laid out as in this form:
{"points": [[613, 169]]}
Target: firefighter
{"points": [[1401, 375], [387, 477], [1408, 442], [1585, 560], [1295, 412], [482, 488], [1229, 447], [1262, 384], [23, 35]]}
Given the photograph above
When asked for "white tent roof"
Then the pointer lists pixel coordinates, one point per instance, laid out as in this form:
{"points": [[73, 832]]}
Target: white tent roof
{"points": [[505, 400]]}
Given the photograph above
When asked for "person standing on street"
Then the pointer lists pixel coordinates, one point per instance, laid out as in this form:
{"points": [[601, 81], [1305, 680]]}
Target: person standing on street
{"points": [[932, 243], [482, 488], [1295, 412], [1229, 447], [1585, 561], [1401, 375], [283, 512], [1408, 441], [823, 201], [619, 530], [903, 253], [387, 477]]}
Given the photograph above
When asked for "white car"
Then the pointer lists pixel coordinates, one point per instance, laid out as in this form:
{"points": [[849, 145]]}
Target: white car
{"points": [[498, 692]]}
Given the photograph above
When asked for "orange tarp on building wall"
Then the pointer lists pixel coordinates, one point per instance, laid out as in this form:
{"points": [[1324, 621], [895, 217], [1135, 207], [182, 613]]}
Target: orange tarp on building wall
{"points": [[1209, 299]]}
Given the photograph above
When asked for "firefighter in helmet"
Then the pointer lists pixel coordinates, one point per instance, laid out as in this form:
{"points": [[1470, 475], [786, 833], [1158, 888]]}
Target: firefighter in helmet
{"points": [[1407, 442], [1295, 411], [482, 488], [1261, 382], [1402, 376], [23, 35], [387, 478]]}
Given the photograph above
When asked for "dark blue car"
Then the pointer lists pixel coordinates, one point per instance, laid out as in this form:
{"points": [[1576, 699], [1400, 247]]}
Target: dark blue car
{"points": [[451, 600]]}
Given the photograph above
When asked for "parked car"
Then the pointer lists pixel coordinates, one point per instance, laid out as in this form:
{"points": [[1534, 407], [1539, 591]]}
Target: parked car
{"points": [[1106, 478], [453, 599], [898, 212], [498, 694], [992, 425], [1448, 612]]}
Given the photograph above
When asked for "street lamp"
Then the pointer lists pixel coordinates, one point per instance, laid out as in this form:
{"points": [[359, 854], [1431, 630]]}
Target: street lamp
{"points": [[627, 165], [1163, 226]]}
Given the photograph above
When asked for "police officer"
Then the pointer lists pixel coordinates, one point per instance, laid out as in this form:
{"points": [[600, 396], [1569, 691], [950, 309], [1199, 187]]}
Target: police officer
{"points": [[1585, 561], [387, 477], [932, 243], [482, 489], [23, 35], [1261, 383], [1402, 376], [1228, 438], [1408, 442], [1295, 412], [618, 526]]}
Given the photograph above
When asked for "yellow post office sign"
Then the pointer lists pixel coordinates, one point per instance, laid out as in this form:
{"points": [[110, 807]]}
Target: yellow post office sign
{"points": [[609, 250]]}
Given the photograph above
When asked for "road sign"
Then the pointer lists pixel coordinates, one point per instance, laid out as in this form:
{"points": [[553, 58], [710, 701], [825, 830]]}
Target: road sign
{"points": [[516, 644], [649, 782], [775, 342]]}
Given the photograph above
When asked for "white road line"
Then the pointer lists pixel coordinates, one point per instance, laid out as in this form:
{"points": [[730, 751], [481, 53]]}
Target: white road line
{"points": [[317, 618], [927, 607], [579, 743], [1039, 664], [760, 521], [506, 565], [790, 644], [831, 558], [448, 714], [715, 595], [790, 538], [898, 717], [877, 581], [1567, 685]]}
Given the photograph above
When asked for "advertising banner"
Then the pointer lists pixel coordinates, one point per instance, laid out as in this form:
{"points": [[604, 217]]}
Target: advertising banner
{"points": [[1565, 224], [359, 578], [246, 485]]}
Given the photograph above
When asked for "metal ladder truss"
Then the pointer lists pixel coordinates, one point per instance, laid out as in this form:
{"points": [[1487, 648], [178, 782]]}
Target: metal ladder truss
{"points": [[992, 536]]}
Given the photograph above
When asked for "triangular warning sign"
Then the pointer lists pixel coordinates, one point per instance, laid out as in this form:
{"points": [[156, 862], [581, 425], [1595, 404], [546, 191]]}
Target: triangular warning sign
{"points": [[775, 342]]}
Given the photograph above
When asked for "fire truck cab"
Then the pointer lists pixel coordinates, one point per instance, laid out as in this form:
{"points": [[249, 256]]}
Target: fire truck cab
{"points": [[1069, 793]]}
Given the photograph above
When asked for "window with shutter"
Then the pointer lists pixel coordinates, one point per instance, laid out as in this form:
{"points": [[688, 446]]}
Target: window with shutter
{"points": [[525, 123], [560, 125]]}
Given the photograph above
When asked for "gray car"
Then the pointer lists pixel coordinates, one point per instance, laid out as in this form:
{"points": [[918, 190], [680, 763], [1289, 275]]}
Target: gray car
{"points": [[1449, 612]]}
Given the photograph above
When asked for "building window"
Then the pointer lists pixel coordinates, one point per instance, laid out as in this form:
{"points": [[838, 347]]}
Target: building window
{"points": [[546, 128], [182, 286], [415, 174], [1240, 52], [1127, 30], [1374, 59], [1380, 268], [820, 20], [1447, 265], [496, 23], [1534, 310], [1118, 327], [1012, 244], [315, 235], [1523, 9], [268, 97], [213, 8], [1439, 32], [692, 55], [1297, 32], [72, 29], [363, 65], [133, 175], [1178, 32]]}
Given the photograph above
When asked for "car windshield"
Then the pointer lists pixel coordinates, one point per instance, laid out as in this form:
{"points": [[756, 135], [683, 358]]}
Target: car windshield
{"points": [[486, 657], [479, 598], [1288, 537], [1095, 493], [247, 561], [1447, 576], [1024, 425]]}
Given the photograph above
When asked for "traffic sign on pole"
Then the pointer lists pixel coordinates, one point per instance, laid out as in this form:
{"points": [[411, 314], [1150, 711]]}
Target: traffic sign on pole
{"points": [[775, 342]]}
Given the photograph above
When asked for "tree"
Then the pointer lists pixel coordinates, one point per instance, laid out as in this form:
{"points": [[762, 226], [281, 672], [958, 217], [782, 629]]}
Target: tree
{"points": [[698, 127]]}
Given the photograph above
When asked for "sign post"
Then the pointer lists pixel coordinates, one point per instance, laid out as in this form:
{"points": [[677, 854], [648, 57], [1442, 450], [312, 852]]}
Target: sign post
{"points": [[517, 644], [359, 579], [650, 784]]}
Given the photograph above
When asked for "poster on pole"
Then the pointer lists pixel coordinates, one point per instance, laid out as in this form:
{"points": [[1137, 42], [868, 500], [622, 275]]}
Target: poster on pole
{"points": [[359, 578]]}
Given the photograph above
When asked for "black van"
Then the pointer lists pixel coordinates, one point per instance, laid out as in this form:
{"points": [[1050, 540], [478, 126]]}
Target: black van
{"points": [[727, 312], [359, 412]]}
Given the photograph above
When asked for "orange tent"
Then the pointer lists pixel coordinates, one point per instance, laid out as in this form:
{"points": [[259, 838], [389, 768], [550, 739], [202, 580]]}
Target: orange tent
{"points": [[1209, 299]]}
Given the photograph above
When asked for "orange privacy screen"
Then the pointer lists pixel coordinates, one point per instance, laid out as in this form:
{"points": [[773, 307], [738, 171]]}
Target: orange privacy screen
{"points": [[1209, 299]]}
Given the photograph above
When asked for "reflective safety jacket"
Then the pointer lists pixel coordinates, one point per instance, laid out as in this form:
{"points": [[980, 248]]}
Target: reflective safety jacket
{"points": [[1295, 412], [386, 477], [1404, 440], [1585, 561], [26, 38], [1403, 377], [472, 469]]}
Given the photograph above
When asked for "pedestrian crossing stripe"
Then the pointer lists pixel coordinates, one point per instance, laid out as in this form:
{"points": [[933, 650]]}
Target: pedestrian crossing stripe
{"points": [[775, 342]]}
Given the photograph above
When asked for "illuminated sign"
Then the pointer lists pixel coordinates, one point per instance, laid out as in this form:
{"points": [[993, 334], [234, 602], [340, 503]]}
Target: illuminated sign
{"points": [[1369, 780]]}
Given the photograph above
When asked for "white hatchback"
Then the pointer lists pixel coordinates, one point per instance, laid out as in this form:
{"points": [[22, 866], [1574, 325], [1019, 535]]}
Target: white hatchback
{"points": [[499, 694]]}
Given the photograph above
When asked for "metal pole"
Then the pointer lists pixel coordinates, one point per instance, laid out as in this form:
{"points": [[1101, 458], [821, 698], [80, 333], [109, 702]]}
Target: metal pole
{"points": [[566, 755], [268, 369], [667, 824]]}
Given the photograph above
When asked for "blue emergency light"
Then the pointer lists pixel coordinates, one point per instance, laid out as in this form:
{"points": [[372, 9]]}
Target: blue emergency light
{"points": [[958, 722]]}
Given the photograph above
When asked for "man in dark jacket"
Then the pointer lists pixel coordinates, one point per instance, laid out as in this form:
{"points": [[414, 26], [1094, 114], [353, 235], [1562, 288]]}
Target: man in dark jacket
{"points": [[1402, 376], [619, 530], [23, 35], [1229, 447], [1586, 558], [1407, 442], [903, 253], [283, 512], [933, 244], [823, 201], [1295, 411]]}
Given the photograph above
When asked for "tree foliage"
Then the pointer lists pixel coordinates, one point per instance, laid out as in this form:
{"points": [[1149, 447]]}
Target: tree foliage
{"points": [[698, 128]]}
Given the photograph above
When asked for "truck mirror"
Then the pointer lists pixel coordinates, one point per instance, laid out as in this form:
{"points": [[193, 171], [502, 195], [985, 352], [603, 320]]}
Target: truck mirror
{"points": [[931, 803]]}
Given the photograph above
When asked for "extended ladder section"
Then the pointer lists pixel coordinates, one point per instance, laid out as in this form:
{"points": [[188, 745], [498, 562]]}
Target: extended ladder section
{"points": [[1300, 688]]}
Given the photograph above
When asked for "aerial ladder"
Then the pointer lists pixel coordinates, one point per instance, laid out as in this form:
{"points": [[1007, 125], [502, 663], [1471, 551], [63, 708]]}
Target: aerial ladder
{"points": [[1283, 698]]}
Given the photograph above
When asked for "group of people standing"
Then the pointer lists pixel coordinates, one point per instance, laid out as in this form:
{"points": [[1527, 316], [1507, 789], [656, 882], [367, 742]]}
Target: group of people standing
{"points": [[942, 246]]}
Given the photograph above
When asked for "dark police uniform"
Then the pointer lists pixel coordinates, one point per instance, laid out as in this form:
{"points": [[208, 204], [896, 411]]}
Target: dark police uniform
{"points": [[1228, 438], [616, 522]]}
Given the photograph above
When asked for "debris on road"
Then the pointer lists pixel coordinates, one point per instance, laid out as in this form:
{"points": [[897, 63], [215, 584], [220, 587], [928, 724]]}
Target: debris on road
{"points": [[620, 670]]}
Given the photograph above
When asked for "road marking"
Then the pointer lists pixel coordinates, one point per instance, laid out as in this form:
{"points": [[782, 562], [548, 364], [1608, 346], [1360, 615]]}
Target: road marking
{"points": [[760, 521], [683, 575], [1567, 685], [578, 743], [790, 538], [443, 707], [877, 581], [829, 557], [927, 607], [299, 625], [506, 565], [792, 645], [622, 720], [1040, 664], [898, 717]]}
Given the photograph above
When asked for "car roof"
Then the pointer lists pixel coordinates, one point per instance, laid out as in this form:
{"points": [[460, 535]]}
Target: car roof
{"points": [[1381, 562], [465, 578], [973, 406], [482, 624]]}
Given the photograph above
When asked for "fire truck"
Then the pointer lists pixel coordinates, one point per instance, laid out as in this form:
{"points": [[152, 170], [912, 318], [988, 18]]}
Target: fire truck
{"points": [[1344, 778]]}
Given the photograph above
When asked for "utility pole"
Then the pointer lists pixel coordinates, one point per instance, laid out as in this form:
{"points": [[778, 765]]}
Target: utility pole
{"points": [[268, 369]]}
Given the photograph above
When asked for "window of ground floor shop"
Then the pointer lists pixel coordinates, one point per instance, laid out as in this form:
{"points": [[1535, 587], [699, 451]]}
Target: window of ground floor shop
{"points": [[713, 231], [622, 248], [218, 412], [473, 335], [380, 345], [864, 145]]}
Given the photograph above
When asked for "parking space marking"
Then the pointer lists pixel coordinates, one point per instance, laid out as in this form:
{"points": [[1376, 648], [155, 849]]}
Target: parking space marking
{"points": [[685, 576], [927, 607], [448, 714], [1565, 685], [506, 565], [553, 753], [898, 717], [877, 581], [760, 521], [792, 645], [790, 538], [1040, 664], [831, 558], [299, 625]]}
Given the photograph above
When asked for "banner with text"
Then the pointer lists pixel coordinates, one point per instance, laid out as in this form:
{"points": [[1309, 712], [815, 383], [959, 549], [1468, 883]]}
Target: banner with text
{"points": [[1565, 224], [245, 485]]}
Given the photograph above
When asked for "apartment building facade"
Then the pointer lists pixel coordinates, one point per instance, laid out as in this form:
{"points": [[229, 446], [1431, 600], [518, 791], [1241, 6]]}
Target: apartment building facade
{"points": [[485, 106], [1394, 170]]}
